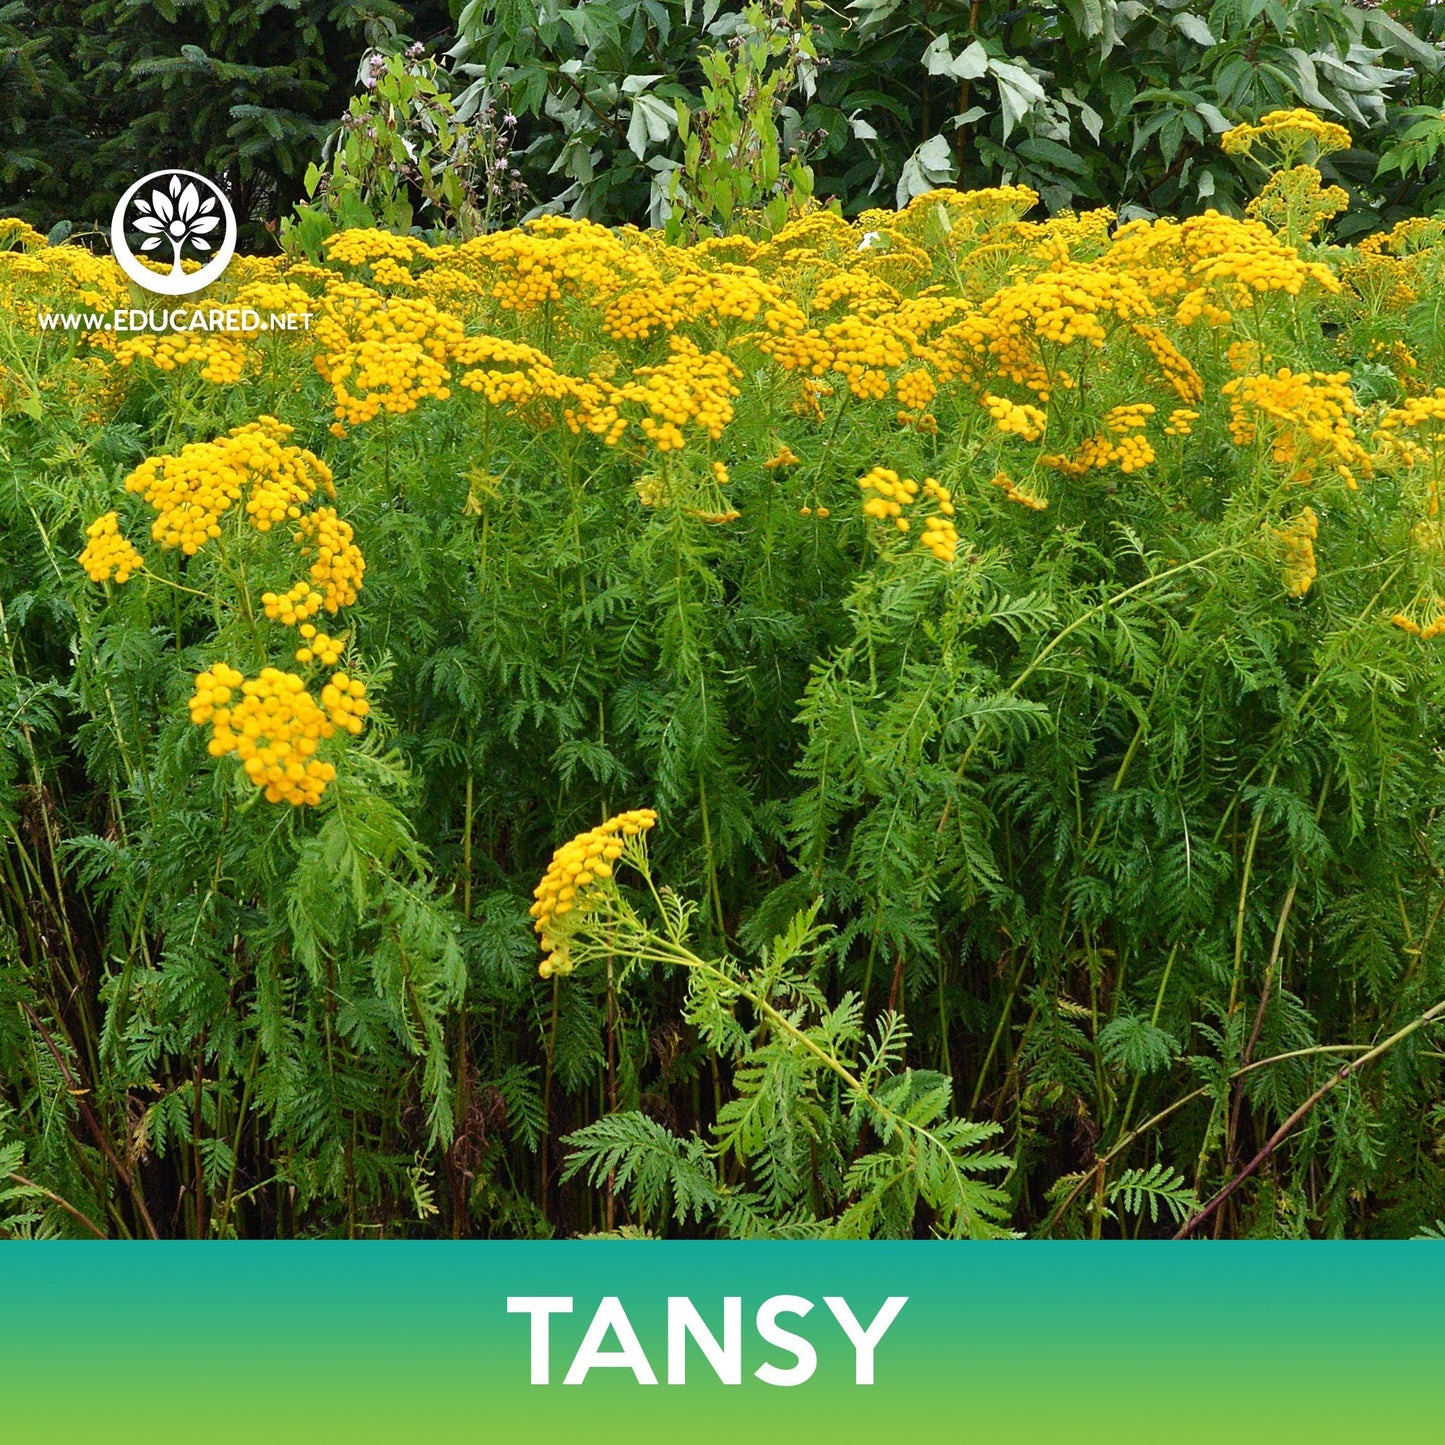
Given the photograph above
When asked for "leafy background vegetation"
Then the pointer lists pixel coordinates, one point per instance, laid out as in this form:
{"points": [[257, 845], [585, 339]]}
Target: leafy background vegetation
{"points": [[1064, 862], [1103, 102]]}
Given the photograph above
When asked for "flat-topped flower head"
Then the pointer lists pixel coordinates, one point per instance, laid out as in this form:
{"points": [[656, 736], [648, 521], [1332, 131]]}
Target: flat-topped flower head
{"points": [[107, 553], [575, 868], [274, 728], [1283, 138]]}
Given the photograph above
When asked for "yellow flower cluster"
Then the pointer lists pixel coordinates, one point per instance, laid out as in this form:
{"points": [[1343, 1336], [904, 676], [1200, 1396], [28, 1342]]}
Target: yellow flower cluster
{"points": [[576, 866], [1304, 416], [864, 351], [939, 535], [1406, 365], [192, 490], [382, 353], [344, 699], [1383, 282], [1156, 253], [1176, 368], [1236, 262], [1130, 454], [190, 493], [712, 298], [292, 606], [1066, 236], [363, 247], [1018, 418], [1128, 451], [788, 339], [1432, 627], [1095, 451], [1014, 492], [815, 239], [274, 730], [637, 315], [739, 250], [1067, 304], [274, 295], [1416, 429], [496, 353], [1413, 435], [954, 303], [214, 689], [1414, 233], [809, 403], [523, 379], [691, 388], [339, 565], [18, 235], [540, 263], [1246, 356], [317, 646], [48, 273], [282, 477], [961, 217], [1284, 135], [107, 554], [1295, 540], [893, 495], [222, 358], [915, 389], [899, 264], [857, 290], [516, 389], [1294, 202]]}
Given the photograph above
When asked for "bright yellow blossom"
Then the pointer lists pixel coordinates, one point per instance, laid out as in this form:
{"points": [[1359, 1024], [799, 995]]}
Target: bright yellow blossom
{"points": [[575, 867], [107, 553]]}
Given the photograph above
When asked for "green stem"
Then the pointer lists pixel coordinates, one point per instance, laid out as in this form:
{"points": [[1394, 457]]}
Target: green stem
{"points": [[1243, 896], [998, 1032], [1153, 1023], [1168, 1112], [1062, 636], [1280, 1134]]}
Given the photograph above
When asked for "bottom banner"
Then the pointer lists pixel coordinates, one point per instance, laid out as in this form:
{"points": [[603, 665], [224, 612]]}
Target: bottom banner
{"points": [[644, 1342]]}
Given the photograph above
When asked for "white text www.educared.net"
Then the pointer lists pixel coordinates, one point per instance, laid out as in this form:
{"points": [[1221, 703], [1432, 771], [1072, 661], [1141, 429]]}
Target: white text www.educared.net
{"points": [[216, 318]]}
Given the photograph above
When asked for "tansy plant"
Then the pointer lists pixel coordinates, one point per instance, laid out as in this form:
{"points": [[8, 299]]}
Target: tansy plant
{"points": [[1024, 631], [810, 1082]]}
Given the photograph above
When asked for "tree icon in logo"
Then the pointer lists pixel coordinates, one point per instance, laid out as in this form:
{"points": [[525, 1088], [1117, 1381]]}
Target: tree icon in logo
{"points": [[180, 210], [178, 215]]}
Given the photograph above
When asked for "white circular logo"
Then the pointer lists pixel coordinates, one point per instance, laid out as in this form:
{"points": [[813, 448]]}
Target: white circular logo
{"points": [[174, 211]]}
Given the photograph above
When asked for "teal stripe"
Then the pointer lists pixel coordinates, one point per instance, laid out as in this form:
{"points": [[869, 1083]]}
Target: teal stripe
{"points": [[383, 1342]]}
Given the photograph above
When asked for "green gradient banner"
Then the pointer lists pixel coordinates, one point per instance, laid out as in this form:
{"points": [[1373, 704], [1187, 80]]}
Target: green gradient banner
{"points": [[1017, 1342]]}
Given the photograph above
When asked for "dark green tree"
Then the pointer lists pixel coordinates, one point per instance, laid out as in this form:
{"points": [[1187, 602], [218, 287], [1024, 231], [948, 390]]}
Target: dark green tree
{"points": [[35, 94], [105, 92]]}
